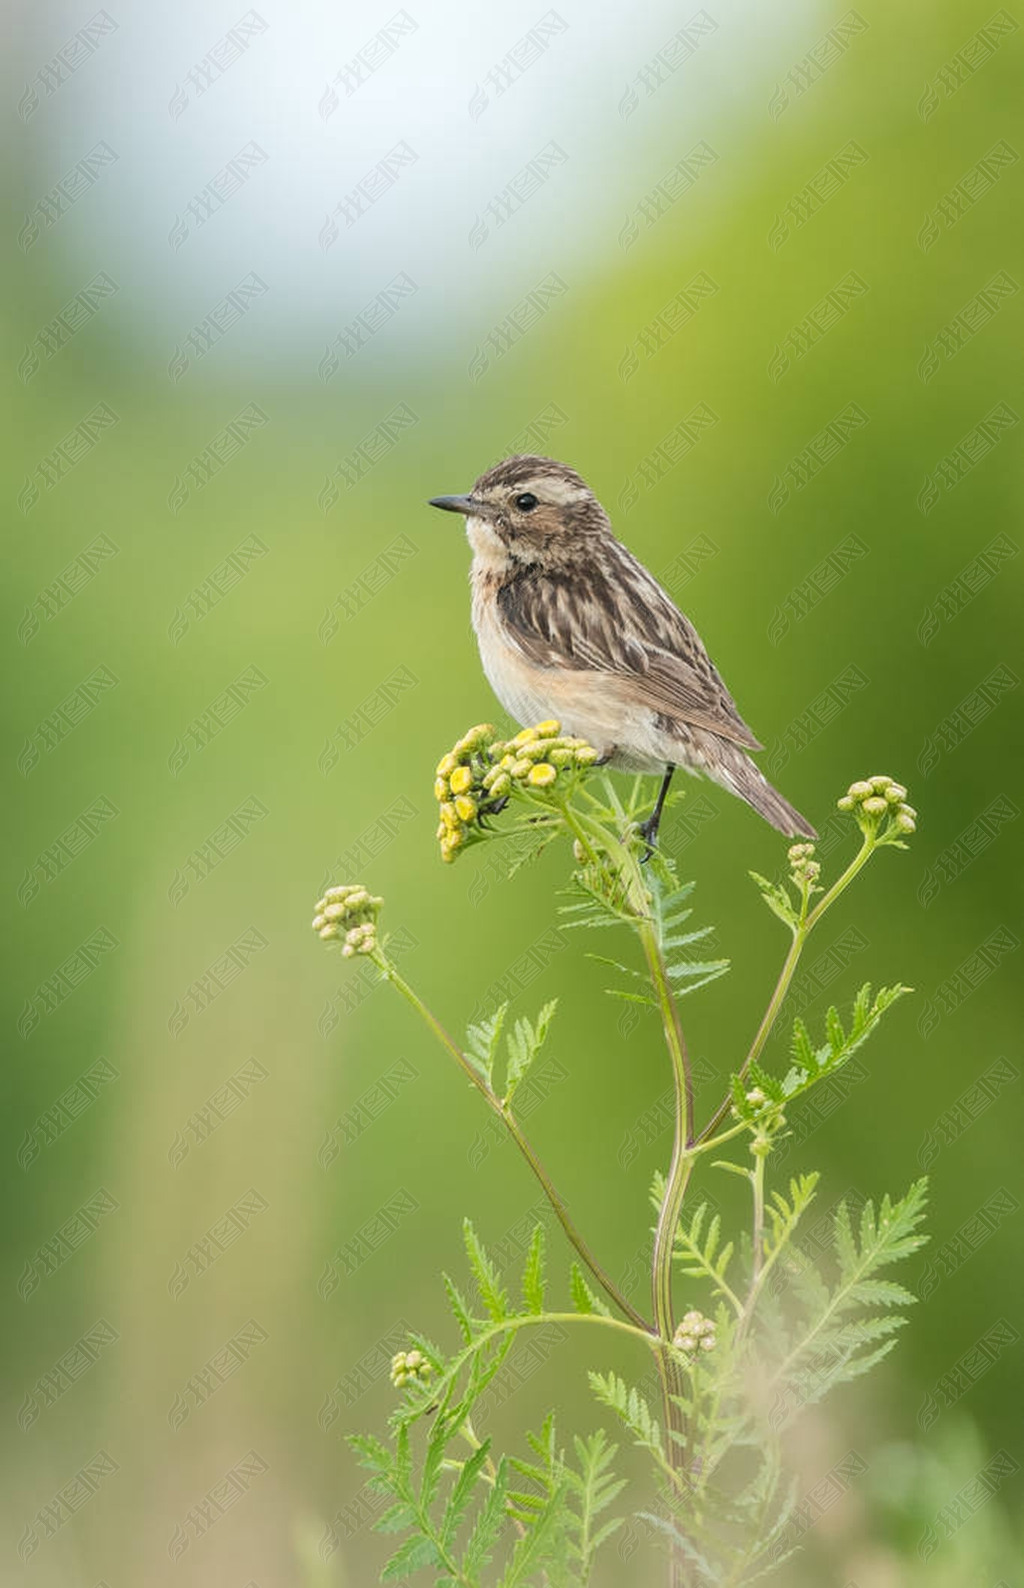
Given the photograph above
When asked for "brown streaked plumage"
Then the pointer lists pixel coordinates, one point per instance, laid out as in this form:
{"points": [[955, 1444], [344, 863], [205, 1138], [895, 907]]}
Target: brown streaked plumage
{"points": [[571, 625]]}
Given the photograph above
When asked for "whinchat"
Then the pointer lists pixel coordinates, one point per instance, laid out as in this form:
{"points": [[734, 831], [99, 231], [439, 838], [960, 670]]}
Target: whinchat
{"points": [[571, 626]]}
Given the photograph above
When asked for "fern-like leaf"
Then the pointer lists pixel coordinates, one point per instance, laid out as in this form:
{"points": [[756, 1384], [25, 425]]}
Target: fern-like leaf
{"points": [[632, 1409], [487, 1529], [459, 1308], [411, 1556], [462, 1494], [525, 1041], [533, 1273], [482, 1042], [811, 1064], [492, 1292], [698, 1256], [583, 1298], [777, 900], [838, 1336]]}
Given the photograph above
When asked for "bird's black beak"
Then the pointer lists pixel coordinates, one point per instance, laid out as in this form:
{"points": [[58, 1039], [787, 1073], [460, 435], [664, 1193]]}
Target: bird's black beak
{"points": [[455, 504]]}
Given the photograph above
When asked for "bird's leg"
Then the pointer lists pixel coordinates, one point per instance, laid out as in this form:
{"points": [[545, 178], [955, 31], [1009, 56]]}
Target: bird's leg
{"points": [[648, 830]]}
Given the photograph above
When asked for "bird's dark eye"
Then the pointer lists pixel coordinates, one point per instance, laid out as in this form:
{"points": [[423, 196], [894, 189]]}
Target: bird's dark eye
{"points": [[527, 502]]}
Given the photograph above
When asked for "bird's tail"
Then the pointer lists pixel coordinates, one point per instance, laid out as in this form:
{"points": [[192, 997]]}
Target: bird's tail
{"points": [[738, 772]]}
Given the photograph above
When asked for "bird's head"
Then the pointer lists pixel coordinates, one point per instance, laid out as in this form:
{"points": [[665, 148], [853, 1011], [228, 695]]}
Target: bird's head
{"points": [[528, 509]]}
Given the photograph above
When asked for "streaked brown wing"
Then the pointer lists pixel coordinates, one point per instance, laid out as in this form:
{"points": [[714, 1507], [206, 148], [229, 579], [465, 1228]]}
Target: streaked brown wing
{"points": [[612, 617]]}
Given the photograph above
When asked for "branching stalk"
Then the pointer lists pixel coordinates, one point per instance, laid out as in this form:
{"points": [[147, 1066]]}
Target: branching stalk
{"points": [[503, 1113]]}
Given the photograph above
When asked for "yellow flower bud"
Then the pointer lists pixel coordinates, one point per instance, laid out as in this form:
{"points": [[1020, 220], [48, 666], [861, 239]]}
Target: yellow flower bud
{"points": [[447, 764], [461, 780], [521, 767], [465, 807], [542, 775], [549, 729], [524, 736], [440, 788]]}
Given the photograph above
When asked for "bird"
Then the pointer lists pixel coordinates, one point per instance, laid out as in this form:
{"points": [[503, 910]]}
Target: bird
{"points": [[571, 626]]}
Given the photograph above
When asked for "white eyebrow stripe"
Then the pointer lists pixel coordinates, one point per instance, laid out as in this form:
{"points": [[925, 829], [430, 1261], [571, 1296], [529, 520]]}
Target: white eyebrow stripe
{"points": [[548, 488]]}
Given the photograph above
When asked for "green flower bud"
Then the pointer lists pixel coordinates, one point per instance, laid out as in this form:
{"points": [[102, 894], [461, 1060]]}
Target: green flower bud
{"points": [[409, 1367]]}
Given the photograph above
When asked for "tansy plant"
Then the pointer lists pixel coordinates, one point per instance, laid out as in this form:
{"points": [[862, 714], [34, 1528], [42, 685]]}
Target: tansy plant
{"points": [[743, 1328]]}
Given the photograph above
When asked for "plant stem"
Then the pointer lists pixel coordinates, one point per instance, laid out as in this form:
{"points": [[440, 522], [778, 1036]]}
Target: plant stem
{"points": [[757, 1256], [496, 1106], [680, 1169], [801, 932]]}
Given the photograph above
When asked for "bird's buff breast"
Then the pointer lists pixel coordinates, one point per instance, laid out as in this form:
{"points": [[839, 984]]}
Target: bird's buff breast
{"points": [[585, 702]]}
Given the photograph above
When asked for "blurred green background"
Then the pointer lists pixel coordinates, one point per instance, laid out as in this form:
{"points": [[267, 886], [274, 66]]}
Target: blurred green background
{"points": [[235, 655]]}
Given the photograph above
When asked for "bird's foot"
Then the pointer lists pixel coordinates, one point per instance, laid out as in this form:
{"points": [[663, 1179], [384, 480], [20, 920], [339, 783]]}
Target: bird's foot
{"points": [[648, 831]]}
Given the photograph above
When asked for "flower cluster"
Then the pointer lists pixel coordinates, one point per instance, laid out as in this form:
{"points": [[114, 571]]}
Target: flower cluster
{"points": [[350, 913], [694, 1333], [480, 773], [409, 1367], [879, 805], [803, 867]]}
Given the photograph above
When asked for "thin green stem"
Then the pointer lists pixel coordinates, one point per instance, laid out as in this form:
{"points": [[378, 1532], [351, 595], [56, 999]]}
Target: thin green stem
{"points": [[680, 1166], [496, 1106], [680, 1169], [801, 932], [757, 1183]]}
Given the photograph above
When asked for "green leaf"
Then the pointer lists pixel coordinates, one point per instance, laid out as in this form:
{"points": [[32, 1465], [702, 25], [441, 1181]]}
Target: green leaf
{"points": [[531, 1552], [411, 1556], [697, 1253], [403, 1461], [696, 972], [777, 900], [482, 1043], [462, 1493], [631, 1407], [811, 1064], [459, 1308], [524, 1043], [593, 1488], [488, 1525], [371, 1452], [533, 1273], [583, 1298], [441, 1433], [488, 1284], [397, 1519], [836, 1340]]}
